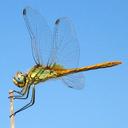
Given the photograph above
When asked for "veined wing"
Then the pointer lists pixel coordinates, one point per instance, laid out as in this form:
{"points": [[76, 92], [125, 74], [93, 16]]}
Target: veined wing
{"points": [[41, 36], [66, 51], [75, 81], [66, 46]]}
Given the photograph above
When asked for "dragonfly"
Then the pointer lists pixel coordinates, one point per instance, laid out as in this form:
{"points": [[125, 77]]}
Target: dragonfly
{"points": [[56, 56]]}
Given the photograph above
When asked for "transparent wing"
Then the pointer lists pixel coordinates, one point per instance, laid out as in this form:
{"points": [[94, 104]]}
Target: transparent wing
{"points": [[75, 81], [41, 36], [66, 45], [66, 51]]}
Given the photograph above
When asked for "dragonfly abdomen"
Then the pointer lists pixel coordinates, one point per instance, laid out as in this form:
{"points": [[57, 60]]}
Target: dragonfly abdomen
{"points": [[92, 67]]}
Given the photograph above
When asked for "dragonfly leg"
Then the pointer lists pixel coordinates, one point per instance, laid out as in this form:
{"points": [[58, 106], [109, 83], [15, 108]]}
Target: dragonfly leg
{"points": [[29, 104], [18, 92], [21, 96], [21, 93]]}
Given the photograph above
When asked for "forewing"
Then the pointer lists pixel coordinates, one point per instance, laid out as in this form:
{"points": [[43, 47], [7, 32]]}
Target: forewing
{"points": [[66, 51], [66, 44], [41, 36]]}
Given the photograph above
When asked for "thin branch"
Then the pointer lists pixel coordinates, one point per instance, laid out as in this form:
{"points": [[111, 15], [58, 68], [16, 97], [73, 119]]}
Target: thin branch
{"points": [[12, 120]]}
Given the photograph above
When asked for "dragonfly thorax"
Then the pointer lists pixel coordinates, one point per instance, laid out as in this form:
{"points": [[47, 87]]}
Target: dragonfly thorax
{"points": [[19, 79], [40, 74]]}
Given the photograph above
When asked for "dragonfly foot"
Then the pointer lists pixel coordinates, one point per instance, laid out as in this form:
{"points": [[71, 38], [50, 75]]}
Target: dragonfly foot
{"points": [[12, 115], [11, 92], [11, 97]]}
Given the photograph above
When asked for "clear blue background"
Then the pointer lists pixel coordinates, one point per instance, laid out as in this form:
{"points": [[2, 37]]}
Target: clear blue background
{"points": [[102, 29]]}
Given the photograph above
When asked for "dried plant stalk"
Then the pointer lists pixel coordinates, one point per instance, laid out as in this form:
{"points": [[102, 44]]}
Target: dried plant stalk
{"points": [[12, 120]]}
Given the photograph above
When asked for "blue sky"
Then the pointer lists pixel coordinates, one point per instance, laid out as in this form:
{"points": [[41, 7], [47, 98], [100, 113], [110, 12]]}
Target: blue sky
{"points": [[102, 30]]}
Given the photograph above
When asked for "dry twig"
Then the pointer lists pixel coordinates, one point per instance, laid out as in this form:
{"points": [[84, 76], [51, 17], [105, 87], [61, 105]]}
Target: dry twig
{"points": [[12, 120]]}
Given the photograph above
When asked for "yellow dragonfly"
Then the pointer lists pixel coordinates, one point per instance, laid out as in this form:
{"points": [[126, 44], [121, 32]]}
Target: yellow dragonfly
{"points": [[56, 55]]}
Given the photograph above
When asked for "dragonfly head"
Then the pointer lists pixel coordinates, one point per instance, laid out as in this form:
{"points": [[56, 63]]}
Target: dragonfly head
{"points": [[19, 79]]}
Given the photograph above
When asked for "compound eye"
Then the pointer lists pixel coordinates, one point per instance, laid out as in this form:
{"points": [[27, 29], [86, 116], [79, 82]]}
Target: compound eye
{"points": [[19, 77]]}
